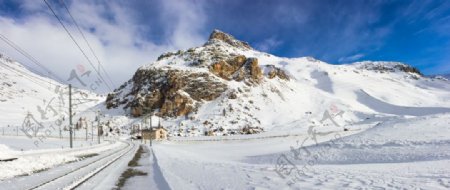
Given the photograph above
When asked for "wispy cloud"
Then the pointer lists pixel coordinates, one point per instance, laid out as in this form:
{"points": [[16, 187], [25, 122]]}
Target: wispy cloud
{"points": [[351, 58], [185, 20], [268, 44]]}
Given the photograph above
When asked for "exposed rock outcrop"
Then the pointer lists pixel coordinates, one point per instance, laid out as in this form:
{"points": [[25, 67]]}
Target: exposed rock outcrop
{"points": [[227, 38], [272, 72], [238, 68], [388, 67], [172, 92]]}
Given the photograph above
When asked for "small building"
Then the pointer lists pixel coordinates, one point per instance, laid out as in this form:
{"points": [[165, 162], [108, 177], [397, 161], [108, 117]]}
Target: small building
{"points": [[157, 133]]}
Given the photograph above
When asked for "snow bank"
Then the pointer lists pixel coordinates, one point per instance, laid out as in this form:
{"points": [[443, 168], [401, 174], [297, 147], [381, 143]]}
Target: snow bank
{"points": [[29, 162], [5, 152]]}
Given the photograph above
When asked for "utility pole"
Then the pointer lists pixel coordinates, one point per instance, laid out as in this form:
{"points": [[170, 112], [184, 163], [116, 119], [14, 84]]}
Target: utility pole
{"points": [[98, 126], [86, 130], [92, 131], [70, 115], [141, 127], [151, 130]]}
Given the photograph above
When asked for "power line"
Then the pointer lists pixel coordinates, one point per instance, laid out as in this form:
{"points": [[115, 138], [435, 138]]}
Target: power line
{"points": [[87, 42], [31, 58], [29, 77], [36, 80], [76, 43], [39, 81]]}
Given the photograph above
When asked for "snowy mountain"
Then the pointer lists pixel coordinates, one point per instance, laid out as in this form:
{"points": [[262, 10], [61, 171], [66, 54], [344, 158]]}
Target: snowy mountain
{"points": [[443, 76], [23, 91], [447, 76], [225, 86]]}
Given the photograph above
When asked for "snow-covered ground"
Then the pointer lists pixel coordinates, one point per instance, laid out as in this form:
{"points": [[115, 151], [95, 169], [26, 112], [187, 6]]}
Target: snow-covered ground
{"points": [[30, 161], [398, 153]]}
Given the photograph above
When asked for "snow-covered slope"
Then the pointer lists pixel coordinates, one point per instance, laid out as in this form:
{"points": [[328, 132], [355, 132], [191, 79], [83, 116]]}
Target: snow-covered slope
{"points": [[442, 77], [284, 95], [23, 92]]}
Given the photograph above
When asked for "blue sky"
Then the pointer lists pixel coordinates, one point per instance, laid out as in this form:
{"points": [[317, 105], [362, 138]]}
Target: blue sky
{"points": [[414, 32]]}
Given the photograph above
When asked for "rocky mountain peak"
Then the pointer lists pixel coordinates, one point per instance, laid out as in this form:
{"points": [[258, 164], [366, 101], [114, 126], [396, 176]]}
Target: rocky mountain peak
{"points": [[384, 66], [179, 83], [218, 35]]}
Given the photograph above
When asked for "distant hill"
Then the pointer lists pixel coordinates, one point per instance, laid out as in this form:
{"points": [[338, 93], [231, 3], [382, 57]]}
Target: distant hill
{"points": [[23, 91]]}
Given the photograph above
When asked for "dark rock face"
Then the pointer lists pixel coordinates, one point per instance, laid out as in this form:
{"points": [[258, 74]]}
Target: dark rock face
{"points": [[391, 68], [172, 92], [111, 102], [251, 130], [408, 69]]}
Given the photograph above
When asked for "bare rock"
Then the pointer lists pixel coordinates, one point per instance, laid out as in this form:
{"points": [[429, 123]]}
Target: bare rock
{"points": [[227, 38], [238, 68], [171, 92], [273, 72]]}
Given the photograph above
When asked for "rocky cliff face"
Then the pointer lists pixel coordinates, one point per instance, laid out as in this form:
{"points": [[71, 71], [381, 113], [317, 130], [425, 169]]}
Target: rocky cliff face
{"points": [[171, 90]]}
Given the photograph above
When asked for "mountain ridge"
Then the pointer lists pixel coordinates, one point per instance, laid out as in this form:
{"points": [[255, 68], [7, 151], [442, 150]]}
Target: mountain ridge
{"points": [[224, 85]]}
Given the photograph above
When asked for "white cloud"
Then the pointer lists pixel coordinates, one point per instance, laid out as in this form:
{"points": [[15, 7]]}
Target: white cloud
{"points": [[186, 20], [268, 44], [111, 31], [351, 58]]}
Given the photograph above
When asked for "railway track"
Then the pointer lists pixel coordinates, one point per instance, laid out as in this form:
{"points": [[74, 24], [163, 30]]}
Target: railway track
{"points": [[75, 178]]}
